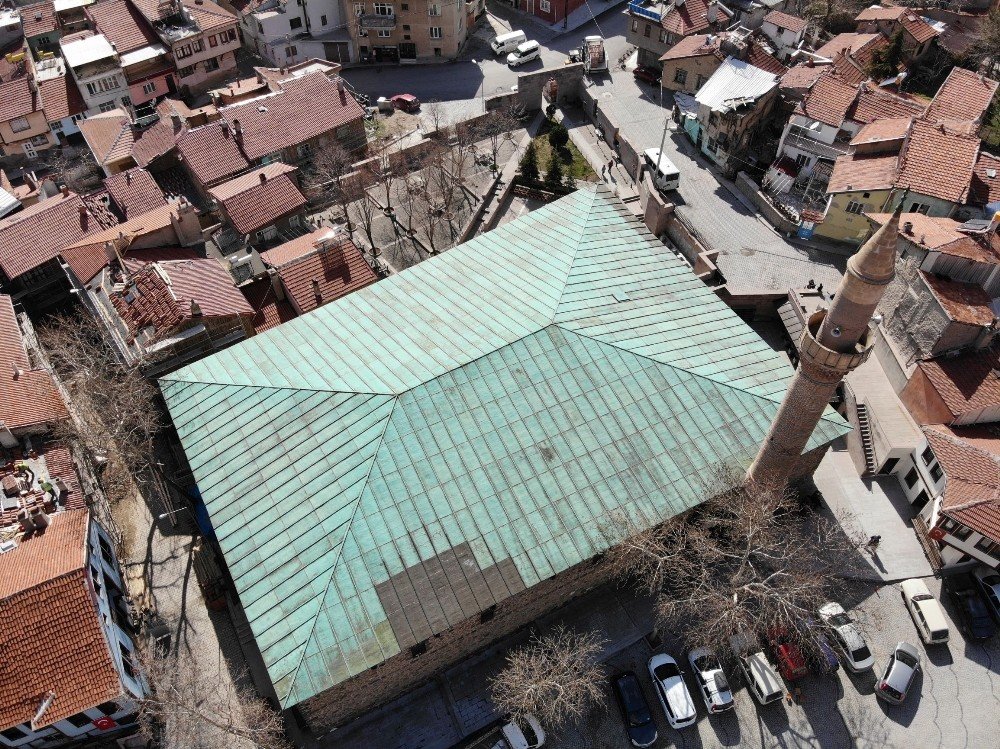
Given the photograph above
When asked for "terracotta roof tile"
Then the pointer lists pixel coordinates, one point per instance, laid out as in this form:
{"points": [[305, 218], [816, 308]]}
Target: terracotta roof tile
{"points": [[259, 198], [136, 260], [689, 18], [875, 104], [964, 95], [962, 302], [37, 19], [17, 99], [892, 128], [122, 24], [829, 99], [155, 140], [60, 98], [28, 398], [59, 463], [972, 490], [985, 187], [695, 45], [269, 311], [163, 306], [786, 21], [109, 135], [862, 173], [967, 382], [759, 57], [800, 77], [938, 163], [333, 270], [99, 205], [941, 234], [58, 644], [211, 153], [134, 192], [917, 27], [37, 234], [846, 42]]}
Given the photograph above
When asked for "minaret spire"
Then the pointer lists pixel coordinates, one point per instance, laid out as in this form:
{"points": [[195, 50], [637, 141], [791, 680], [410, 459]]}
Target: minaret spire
{"points": [[834, 343]]}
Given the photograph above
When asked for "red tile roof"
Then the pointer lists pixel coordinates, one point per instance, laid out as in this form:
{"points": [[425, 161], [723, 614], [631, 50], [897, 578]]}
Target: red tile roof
{"points": [[874, 103], [109, 136], [690, 18], [38, 19], [937, 162], [893, 128], [17, 99], [852, 173], [155, 140], [985, 187], [972, 490], [846, 42], [28, 398], [60, 98], [941, 235], [122, 24], [209, 15], [166, 292], [829, 99], [211, 153], [918, 28], [259, 198], [786, 21], [58, 644], [270, 312], [134, 191], [800, 77], [759, 57], [967, 382], [695, 46], [136, 260], [964, 95], [37, 234], [59, 463], [962, 302], [333, 269]]}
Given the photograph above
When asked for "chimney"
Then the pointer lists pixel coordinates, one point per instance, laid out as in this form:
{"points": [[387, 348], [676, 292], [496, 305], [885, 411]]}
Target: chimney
{"points": [[195, 309], [908, 227], [176, 121], [225, 128], [184, 220], [318, 294], [810, 63], [128, 178], [64, 190], [263, 178], [711, 11], [84, 217], [17, 370]]}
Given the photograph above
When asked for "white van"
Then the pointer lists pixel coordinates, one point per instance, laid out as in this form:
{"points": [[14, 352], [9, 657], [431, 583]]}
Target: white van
{"points": [[758, 673], [508, 42], [926, 611], [666, 176], [525, 52]]}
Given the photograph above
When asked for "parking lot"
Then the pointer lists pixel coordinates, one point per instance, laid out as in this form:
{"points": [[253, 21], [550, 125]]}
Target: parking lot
{"points": [[956, 702]]}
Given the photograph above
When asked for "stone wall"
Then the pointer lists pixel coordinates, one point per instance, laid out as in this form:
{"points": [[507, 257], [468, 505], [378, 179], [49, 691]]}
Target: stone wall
{"points": [[568, 77], [774, 217], [404, 671]]}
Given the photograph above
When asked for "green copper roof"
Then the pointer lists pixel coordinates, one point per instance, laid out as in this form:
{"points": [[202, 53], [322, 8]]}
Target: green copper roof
{"points": [[399, 460]]}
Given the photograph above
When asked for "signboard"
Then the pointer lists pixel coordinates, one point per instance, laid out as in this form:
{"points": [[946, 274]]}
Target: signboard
{"points": [[806, 229], [936, 533]]}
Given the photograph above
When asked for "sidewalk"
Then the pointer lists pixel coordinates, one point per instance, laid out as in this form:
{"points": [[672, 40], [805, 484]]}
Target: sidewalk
{"points": [[536, 28], [599, 154]]}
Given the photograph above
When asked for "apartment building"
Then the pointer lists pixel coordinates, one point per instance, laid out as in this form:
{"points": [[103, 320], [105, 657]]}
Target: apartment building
{"points": [[95, 66], [406, 32]]}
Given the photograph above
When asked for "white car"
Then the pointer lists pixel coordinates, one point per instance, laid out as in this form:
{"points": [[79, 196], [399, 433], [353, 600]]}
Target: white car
{"points": [[529, 736], [928, 616], [900, 671], [857, 656], [712, 682], [672, 691]]}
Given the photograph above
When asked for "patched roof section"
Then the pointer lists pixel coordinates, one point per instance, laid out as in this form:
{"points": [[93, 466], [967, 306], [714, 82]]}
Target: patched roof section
{"points": [[848, 42], [690, 18], [526, 385], [962, 302], [109, 135], [938, 162], [967, 382]]}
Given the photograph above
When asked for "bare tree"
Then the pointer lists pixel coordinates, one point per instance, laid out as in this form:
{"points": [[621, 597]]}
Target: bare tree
{"points": [[328, 174], [365, 210], [116, 404], [744, 561], [496, 129], [190, 707], [555, 677], [74, 168], [434, 110], [381, 167]]}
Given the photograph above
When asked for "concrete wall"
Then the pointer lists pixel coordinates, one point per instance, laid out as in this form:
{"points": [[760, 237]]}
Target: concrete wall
{"points": [[697, 69], [656, 210], [774, 217], [913, 318], [568, 77]]}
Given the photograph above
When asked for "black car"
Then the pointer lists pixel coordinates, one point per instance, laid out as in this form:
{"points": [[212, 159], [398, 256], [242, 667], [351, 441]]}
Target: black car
{"points": [[975, 617], [635, 710]]}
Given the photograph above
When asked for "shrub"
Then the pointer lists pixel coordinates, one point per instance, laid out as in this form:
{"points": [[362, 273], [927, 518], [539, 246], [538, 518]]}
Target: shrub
{"points": [[529, 163]]}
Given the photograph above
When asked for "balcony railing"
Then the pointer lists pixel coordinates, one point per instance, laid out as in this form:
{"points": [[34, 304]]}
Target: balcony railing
{"points": [[376, 21], [823, 150], [638, 9]]}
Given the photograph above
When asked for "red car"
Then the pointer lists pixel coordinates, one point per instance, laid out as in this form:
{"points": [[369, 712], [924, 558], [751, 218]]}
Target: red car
{"points": [[405, 102], [647, 74], [791, 664]]}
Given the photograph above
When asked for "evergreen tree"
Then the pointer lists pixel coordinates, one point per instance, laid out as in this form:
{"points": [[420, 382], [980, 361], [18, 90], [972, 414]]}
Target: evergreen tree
{"points": [[885, 61], [558, 136], [554, 175], [529, 163]]}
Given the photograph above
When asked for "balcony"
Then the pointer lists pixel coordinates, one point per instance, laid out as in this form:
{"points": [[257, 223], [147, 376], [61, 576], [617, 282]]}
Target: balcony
{"points": [[815, 147], [368, 21], [638, 9]]}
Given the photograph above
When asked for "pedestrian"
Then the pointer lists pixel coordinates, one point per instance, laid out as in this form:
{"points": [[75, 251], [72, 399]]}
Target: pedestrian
{"points": [[611, 165], [873, 543]]}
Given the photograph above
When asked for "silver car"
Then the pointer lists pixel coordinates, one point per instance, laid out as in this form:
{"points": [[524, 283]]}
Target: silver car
{"points": [[711, 680], [900, 671]]}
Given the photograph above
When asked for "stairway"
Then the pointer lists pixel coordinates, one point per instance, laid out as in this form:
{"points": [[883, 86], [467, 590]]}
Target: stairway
{"points": [[864, 427]]}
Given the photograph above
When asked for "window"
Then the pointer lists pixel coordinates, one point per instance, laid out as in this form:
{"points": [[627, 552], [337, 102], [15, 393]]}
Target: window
{"points": [[405, 6], [866, 195], [211, 64], [148, 88], [359, 8], [107, 106], [126, 661], [186, 71], [936, 472], [646, 32], [635, 25], [213, 41], [927, 455], [545, 6], [435, 10], [988, 546], [435, 32], [232, 35], [104, 84], [419, 649], [56, 126], [663, 36], [126, 101], [855, 207], [961, 532], [19, 124], [680, 76], [701, 81], [437, 51], [911, 478], [384, 33], [109, 708], [95, 576], [182, 51], [13, 733], [802, 160], [196, 45], [295, 23], [919, 208], [383, 9], [80, 720], [406, 27], [322, 20]]}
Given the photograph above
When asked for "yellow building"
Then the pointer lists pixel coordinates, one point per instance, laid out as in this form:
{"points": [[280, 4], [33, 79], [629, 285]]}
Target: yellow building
{"points": [[857, 186]]}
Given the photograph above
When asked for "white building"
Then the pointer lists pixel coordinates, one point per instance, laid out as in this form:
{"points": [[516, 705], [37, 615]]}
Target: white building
{"points": [[786, 32], [96, 68]]}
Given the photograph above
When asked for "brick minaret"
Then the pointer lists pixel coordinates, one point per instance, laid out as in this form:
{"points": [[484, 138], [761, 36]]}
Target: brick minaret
{"points": [[834, 342]]}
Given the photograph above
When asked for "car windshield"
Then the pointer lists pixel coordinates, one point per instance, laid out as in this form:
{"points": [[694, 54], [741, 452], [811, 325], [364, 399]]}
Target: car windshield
{"points": [[906, 659], [706, 663], [976, 607], [666, 671], [861, 654], [840, 620]]}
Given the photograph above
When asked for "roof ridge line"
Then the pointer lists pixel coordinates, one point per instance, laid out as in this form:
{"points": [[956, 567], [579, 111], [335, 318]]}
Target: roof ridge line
{"points": [[576, 254], [272, 387], [336, 561]]}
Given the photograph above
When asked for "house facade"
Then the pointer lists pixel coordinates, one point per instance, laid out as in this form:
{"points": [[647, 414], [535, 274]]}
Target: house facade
{"points": [[95, 66], [656, 27], [24, 128], [785, 31], [403, 32]]}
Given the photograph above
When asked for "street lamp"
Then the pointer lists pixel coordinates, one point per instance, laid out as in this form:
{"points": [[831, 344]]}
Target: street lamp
{"points": [[481, 91]]}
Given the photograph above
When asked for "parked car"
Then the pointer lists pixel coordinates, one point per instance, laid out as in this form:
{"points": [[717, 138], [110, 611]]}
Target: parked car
{"points": [[974, 615], [847, 637], [526, 734], [647, 74], [672, 691], [405, 102], [791, 663], [926, 611], [758, 673], [821, 656], [900, 671], [988, 581], [635, 710], [712, 682], [524, 52]]}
